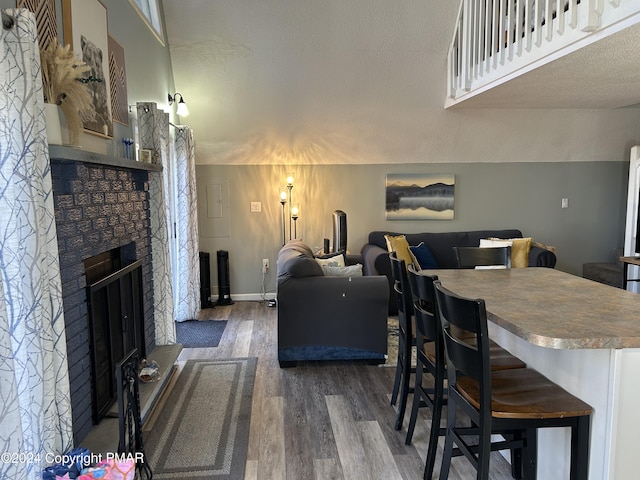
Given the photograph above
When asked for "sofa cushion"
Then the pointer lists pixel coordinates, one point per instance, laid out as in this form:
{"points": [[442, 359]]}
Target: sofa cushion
{"points": [[423, 257], [347, 271], [334, 261], [398, 244]]}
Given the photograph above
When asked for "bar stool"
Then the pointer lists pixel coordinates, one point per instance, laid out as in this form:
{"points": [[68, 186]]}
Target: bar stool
{"points": [[431, 360], [406, 337], [513, 403]]}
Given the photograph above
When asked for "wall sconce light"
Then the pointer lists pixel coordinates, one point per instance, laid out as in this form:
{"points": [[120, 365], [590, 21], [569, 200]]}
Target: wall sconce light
{"points": [[182, 109]]}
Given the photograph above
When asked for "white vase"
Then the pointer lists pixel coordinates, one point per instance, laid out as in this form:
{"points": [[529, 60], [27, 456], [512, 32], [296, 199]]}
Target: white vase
{"points": [[52, 119]]}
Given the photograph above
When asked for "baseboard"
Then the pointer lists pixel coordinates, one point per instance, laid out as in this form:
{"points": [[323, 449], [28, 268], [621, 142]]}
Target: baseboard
{"points": [[249, 297]]}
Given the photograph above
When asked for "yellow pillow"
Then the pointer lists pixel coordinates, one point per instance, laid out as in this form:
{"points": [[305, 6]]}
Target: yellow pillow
{"points": [[399, 245], [520, 248]]}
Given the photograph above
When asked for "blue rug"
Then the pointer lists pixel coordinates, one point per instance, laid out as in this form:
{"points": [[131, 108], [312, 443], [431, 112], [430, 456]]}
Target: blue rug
{"points": [[200, 333]]}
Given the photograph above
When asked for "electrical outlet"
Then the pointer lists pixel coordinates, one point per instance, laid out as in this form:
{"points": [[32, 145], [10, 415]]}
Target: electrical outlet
{"points": [[265, 265]]}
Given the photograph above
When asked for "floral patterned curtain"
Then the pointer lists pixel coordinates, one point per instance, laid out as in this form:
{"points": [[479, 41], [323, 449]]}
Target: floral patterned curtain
{"points": [[35, 408], [153, 130], [188, 262]]}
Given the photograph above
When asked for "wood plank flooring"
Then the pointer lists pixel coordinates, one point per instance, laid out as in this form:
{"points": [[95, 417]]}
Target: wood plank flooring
{"points": [[322, 420]]}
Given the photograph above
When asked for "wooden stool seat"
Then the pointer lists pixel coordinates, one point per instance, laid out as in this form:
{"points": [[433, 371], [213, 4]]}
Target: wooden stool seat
{"points": [[501, 359], [524, 393]]}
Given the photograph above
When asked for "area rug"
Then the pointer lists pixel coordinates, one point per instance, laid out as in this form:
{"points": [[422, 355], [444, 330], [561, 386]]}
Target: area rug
{"points": [[200, 333], [392, 344], [203, 429]]}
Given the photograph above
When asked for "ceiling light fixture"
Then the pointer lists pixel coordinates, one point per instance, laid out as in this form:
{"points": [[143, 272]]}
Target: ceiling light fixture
{"points": [[182, 109]]}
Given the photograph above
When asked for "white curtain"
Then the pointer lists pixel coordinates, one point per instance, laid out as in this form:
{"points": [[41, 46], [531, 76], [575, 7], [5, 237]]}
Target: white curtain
{"points": [[35, 408], [188, 259], [153, 131]]}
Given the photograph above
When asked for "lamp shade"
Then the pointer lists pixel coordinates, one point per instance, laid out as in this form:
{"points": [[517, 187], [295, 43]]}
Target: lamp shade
{"points": [[182, 109]]}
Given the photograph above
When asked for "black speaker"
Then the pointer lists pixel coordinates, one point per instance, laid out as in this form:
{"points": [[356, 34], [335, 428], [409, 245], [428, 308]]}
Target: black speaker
{"points": [[339, 231], [224, 286], [205, 280]]}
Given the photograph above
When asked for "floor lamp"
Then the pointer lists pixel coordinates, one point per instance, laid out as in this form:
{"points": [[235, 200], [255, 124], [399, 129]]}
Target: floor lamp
{"points": [[283, 201], [294, 215], [289, 187]]}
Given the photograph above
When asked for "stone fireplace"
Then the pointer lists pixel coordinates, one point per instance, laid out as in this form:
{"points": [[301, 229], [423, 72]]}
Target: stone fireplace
{"points": [[101, 204]]}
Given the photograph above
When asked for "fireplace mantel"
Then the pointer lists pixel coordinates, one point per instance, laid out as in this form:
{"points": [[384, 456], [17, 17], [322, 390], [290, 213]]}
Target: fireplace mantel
{"points": [[61, 153]]}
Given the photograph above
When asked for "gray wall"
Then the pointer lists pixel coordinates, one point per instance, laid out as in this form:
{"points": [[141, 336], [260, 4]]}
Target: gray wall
{"points": [[526, 196]]}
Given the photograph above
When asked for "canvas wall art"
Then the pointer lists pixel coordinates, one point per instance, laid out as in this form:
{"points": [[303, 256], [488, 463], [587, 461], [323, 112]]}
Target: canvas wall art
{"points": [[45, 11], [118, 81], [419, 197], [85, 29]]}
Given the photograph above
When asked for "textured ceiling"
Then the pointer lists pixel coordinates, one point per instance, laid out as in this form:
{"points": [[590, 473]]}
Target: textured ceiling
{"points": [[286, 80]]}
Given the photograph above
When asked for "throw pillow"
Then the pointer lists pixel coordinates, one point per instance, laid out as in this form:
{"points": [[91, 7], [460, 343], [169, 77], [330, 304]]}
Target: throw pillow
{"points": [[399, 245], [423, 257], [348, 271], [334, 261], [520, 248]]}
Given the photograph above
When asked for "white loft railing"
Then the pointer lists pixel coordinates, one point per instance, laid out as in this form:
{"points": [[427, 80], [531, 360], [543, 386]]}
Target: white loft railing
{"points": [[495, 40]]}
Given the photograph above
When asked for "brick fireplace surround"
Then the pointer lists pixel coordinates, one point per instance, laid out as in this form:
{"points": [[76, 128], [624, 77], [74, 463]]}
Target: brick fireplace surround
{"points": [[101, 203]]}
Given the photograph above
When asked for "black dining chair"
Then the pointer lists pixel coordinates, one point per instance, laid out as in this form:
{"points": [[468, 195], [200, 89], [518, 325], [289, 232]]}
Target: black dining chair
{"points": [[513, 403], [471, 257], [430, 360], [406, 337]]}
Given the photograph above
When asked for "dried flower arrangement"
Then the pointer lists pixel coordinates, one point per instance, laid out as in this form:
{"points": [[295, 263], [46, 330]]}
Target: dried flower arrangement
{"points": [[64, 84]]}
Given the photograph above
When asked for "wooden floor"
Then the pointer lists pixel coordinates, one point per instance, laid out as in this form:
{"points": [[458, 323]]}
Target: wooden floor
{"points": [[321, 420]]}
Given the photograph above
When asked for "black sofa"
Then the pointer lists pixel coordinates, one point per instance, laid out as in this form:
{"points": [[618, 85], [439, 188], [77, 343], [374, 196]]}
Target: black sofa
{"points": [[328, 317], [376, 257]]}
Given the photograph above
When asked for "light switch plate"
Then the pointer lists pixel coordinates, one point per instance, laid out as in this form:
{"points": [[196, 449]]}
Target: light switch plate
{"points": [[256, 207]]}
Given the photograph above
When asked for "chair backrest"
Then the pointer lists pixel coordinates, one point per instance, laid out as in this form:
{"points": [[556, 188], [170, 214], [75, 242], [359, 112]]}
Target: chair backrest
{"points": [[466, 337], [401, 286], [471, 257], [424, 306]]}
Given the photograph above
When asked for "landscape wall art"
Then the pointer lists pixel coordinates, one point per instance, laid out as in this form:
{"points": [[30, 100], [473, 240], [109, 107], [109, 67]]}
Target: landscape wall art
{"points": [[419, 197]]}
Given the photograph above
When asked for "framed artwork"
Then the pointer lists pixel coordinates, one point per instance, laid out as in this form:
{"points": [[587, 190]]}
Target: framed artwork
{"points": [[419, 196], [85, 29], [118, 81], [45, 12]]}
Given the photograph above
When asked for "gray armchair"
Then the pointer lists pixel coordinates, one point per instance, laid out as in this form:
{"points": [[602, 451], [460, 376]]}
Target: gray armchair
{"points": [[328, 317]]}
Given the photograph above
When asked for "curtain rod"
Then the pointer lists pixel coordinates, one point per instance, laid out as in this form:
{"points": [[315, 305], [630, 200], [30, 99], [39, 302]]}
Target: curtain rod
{"points": [[7, 21]]}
